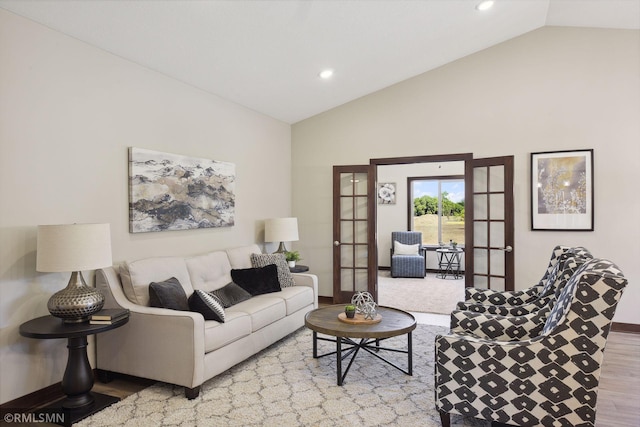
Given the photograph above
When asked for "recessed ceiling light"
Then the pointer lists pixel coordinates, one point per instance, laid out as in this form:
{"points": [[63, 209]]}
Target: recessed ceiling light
{"points": [[485, 5], [326, 74]]}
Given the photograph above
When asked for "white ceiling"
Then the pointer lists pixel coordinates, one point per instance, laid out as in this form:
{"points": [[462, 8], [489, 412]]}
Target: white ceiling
{"points": [[266, 55]]}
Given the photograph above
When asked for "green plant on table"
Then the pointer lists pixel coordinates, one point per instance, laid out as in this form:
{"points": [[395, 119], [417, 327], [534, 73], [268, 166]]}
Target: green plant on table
{"points": [[292, 256], [350, 311]]}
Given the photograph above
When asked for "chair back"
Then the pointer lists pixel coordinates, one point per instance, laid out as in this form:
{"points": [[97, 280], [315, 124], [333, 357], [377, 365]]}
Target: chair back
{"points": [[580, 294], [565, 266], [555, 256], [406, 237]]}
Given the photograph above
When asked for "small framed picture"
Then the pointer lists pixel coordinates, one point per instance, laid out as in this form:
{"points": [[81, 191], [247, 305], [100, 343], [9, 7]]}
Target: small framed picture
{"points": [[562, 190], [386, 193]]}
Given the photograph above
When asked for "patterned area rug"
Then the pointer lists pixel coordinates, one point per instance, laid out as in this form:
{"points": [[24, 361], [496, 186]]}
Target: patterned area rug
{"points": [[284, 386], [428, 295]]}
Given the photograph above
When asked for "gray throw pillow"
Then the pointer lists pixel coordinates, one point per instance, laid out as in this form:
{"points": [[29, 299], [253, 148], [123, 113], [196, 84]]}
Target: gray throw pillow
{"points": [[284, 274], [168, 294], [231, 294]]}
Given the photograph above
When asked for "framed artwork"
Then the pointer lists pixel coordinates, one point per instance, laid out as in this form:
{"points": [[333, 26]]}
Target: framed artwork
{"points": [[386, 193], [562, 190], [174, 192]]}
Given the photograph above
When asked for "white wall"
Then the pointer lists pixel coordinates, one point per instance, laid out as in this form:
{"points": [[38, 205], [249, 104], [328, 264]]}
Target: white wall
{"points": [[551, 89], [68, 112]]}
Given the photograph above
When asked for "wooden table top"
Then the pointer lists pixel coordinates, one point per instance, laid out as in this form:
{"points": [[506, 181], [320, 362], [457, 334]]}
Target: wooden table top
{"points": [[394, 322], [47, 327]]}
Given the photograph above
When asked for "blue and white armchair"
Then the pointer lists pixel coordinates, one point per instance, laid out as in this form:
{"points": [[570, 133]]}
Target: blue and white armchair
{"points": [[408, 256]]}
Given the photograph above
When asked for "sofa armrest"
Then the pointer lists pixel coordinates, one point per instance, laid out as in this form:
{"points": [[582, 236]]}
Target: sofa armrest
{"points": [[310, 280], [174, 338]]}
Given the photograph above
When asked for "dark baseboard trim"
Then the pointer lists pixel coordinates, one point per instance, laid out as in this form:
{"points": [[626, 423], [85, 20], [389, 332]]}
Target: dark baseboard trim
{"points": [[38, 398], [630, 328], [50, 394], [325, 300]]}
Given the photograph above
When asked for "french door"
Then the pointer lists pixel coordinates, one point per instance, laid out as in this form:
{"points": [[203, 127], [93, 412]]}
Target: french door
{"points": [[489, 224], [354, 251], [492, 261]]}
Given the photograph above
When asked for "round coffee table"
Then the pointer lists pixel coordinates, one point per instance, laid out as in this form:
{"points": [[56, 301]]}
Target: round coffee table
{"points": [[394, 322]]}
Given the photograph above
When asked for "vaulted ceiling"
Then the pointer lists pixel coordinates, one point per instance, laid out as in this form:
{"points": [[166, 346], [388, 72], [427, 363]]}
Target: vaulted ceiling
{"points": [[267, 55]]}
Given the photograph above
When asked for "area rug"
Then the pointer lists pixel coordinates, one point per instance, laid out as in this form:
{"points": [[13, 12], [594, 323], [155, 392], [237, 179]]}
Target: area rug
{"points": [[428, 295], [284, 386]]}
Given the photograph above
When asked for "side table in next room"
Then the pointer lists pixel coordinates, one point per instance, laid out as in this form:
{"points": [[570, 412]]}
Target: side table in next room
{"points": [[78, 375]]}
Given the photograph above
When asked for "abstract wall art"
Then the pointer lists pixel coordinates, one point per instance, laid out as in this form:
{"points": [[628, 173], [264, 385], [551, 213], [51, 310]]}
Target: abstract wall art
{"points": [[174, 192], [562, 190]]}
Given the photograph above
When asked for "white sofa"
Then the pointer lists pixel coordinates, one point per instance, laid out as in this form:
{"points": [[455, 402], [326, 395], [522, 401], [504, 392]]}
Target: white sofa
{"points": [[180, 347]]}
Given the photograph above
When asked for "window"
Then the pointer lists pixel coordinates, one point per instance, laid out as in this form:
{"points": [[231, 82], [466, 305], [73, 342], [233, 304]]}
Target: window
{"points": [[437, 206]]}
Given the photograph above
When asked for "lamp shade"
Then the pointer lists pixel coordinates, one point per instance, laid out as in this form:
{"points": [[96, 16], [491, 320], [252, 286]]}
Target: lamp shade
{"points": [[73, 247], [281, 230]]}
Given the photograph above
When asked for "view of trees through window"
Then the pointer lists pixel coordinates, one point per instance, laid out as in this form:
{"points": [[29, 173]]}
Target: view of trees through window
{"points": [[438, 210]]}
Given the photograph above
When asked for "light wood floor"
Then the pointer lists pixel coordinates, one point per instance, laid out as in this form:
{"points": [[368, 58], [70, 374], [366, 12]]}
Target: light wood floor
{"points": [[618, 396], [619, 391]]}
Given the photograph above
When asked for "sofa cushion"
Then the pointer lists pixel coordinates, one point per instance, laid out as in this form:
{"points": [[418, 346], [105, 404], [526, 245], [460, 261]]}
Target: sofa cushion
{"points": [[209, 271], [241, 257], [296, 298], [284, 274], [217, 335], [231, 294], [257, 281], [263, 310], [137, 275], [168, 294], [206, 304]]}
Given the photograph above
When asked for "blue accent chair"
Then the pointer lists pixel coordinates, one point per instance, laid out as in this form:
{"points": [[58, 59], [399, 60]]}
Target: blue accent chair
{"points": [[414, 265]]}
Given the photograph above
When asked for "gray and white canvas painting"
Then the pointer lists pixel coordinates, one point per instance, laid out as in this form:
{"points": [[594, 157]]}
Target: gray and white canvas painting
{"points": [[174, 192]]}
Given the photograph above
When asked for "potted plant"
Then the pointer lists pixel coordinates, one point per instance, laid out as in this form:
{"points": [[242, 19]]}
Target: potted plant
{"points": [[292, 257], [350, 311]]}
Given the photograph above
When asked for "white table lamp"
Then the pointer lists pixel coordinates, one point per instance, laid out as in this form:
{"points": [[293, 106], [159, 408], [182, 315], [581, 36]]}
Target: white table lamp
{"points": [[281, 230], [74, 248]]}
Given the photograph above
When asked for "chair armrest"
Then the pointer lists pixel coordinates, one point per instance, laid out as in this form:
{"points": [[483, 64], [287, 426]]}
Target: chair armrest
{"points": [[511, 298], [504, 310], [496, 327]]}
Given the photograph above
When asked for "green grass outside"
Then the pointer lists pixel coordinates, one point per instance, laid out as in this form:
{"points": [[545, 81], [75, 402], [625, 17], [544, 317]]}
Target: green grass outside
{"points": [[452, 229]]}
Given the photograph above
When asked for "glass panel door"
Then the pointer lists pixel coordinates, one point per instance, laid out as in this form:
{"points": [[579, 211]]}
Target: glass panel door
{"points": [[493, 229], [353, 269]]}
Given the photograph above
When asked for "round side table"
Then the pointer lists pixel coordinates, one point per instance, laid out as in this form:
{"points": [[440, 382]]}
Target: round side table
{"points": [[299, 268], [78, 375]]}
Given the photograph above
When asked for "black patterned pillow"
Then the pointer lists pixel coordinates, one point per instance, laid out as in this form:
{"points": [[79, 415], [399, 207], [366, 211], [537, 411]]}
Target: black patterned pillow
{"points": [[284, 274], [231, 294], [207, 305]]}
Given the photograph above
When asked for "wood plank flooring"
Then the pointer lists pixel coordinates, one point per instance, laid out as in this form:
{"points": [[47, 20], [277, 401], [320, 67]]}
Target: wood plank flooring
{"points": [[619, 391]]}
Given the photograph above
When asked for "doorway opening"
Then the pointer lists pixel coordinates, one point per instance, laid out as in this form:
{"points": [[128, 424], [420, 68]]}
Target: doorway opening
{"points": [[430, 198]]}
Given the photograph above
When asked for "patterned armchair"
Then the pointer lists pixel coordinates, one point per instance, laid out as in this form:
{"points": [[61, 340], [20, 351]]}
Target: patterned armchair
{"points": [[516, 323], [547, 380], [408, 256], [526, 296], [565, 266]]}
